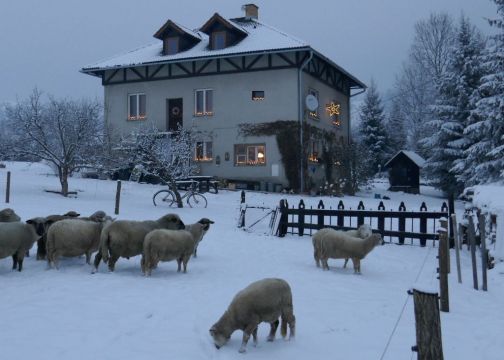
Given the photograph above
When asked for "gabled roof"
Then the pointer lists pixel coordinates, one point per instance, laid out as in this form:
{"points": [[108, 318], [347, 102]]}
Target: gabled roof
{"points": [[413, 156], [216, 18], [178, 28]]}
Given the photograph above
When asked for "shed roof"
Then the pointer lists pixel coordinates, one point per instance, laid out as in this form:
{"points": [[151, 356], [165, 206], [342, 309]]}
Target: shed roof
{"points": [[413, 156]]}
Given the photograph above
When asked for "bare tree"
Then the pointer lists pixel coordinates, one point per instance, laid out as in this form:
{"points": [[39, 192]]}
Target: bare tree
{"points": [[63, 132]]}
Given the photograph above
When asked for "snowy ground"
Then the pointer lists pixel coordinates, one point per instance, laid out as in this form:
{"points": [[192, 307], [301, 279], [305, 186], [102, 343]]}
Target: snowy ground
{"points": [[50, 314]]}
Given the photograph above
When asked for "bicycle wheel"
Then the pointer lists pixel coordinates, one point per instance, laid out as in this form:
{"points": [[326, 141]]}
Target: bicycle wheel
{"points": [[164, 198], [196, 200]]}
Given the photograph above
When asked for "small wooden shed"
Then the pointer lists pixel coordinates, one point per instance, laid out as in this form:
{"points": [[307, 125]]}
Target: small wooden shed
{"points": [[404, 171]]}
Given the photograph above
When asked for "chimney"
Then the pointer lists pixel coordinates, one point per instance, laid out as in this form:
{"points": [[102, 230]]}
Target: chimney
{"points": [[251, 11]]}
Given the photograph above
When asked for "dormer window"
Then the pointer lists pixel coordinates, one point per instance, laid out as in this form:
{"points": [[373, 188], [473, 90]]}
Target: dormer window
{"points": [[171, 45], [218, 40]]}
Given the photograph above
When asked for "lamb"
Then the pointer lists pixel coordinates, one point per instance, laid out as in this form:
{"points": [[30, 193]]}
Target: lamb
{"points": [[339, 245], [49, 220], [16, 238], [167, 245], [262, 301], [362, 232], [202, 221], [74, 237], [8, 215], [124, 238]]}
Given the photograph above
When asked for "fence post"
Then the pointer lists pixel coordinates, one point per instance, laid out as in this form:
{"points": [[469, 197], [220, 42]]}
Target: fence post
{"points": [[7, 189], [484, 259], [443, 265], [117, 197], [428, 326], [243, 210], [423, 225], [471, 236], [301, 217], [320, 220], [457, 246], [451, 210], [360, 218], [282, 224], [340, 218], [402, 223]]}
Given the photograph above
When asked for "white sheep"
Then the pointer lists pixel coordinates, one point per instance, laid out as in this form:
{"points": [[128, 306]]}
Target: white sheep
{"points": [[262, 301], [9, 215], [167, 245], [49, 220], [204, 221], [124, 238], [362, 232], [17, 238], [339, 245], [74, 237]]}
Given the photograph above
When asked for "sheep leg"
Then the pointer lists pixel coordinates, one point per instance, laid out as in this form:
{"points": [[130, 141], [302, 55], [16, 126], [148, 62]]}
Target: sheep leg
{"points": [[179, 263], [356, 263], [97, 260], [88, 258], [346, 261], [142, 265], [14, 262], [185, 260], [41, 248], [20, 264], [273, 329], [195, 251], [246, 336], [325, 265], [254, 336], [111, 263], [316, 257]]}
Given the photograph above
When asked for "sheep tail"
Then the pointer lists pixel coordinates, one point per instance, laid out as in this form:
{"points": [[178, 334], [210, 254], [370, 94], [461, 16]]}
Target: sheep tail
{"points": [[104, 245]]}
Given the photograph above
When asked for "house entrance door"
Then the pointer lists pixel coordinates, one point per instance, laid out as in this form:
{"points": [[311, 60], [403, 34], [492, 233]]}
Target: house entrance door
{"points": [[174, 115]]}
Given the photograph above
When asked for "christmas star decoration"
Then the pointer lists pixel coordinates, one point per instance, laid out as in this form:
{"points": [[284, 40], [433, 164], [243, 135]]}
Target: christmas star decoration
{"points": [[333, 109]]}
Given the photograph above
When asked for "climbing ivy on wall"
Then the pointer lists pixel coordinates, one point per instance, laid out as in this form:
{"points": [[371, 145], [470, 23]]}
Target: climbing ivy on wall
{"points": [[287, 137]]}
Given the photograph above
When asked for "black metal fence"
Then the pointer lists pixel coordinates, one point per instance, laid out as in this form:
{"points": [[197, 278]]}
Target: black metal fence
{"points": [[400, 224]]}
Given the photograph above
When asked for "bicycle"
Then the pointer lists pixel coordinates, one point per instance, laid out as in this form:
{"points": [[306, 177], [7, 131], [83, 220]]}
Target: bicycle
{"points": [[167, 198]]}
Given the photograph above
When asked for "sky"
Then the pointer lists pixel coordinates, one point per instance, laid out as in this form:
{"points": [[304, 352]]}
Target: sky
{"points": [[44, 44]]}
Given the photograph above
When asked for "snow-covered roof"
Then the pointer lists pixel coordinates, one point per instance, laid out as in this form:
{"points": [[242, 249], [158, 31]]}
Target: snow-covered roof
{"points": [[261, 37], [413, 156]]}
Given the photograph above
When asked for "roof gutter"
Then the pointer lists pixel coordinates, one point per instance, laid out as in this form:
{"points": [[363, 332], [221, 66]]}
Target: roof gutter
{"points": [[300, 117]]}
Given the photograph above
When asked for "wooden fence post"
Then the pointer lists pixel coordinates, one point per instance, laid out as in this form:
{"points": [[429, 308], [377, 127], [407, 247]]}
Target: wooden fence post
{"points": [[117, 197], [7, 189], [340, 220], [471, 237], [243, 209], [484, 259], [457, 247], [320, 219], [360, 218], [282, 224], [443, 265], [451, 210], [301, 217], [402, 223], [428, 326]]}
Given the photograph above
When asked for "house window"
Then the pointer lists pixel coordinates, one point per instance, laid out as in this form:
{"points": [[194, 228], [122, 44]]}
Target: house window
{"points": [[137, 106], [314, 114], [257, 95], [219, 40], [203, 102], [250, 154], [314, 154], [203, 151], [171, 45]]}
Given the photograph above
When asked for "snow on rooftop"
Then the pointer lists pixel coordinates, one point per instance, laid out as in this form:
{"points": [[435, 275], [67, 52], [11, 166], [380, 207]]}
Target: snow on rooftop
{"points": [[261, 37], [413, 156]]}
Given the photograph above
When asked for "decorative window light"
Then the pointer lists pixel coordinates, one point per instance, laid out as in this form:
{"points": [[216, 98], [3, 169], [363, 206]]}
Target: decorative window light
{"points": [[137, 104], [257, 95], [250, 154], [203, 151], [333, 110], [203, 102], [314, 152]]}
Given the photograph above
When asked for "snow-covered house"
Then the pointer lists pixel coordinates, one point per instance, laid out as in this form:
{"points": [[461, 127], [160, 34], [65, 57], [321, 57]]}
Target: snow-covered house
{"points": [[227, 73], [404, 171]]}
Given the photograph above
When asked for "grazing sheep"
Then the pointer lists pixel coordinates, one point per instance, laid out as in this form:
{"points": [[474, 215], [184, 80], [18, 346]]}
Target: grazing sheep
{"points": [[74, 237], [339, 245], [167, 245], [8, 215], [49, 220], [262, 301], [204, 221], [16, 238], [124, 238], [362, 232]]}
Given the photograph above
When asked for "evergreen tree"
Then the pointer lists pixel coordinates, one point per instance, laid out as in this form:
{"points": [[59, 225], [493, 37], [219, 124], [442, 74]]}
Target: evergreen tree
{"points": [[485, 156], [395, 129], [446, 163], [372, 130]]}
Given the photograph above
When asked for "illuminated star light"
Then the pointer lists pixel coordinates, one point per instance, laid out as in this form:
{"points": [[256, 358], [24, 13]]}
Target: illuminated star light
{"points": [[333, 109]]}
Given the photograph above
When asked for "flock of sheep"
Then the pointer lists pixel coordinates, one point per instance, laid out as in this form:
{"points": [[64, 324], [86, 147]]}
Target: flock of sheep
{"points": [[167, 239]]}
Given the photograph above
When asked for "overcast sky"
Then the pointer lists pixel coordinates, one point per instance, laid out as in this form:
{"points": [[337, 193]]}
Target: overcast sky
{"points": [[45, 43]]}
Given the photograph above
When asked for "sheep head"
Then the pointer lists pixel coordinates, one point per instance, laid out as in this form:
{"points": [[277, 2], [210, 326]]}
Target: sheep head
{"points": [[206, 222], [364, 231], [171, 222], [38, 224], [219, 337], [9, 215]]}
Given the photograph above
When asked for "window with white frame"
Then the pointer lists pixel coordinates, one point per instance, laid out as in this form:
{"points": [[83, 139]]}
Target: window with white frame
{"points": [[250, 154], [203, 102], [315, 113], [203, 151], [137, 106]]}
